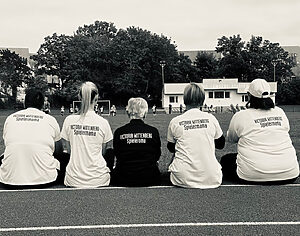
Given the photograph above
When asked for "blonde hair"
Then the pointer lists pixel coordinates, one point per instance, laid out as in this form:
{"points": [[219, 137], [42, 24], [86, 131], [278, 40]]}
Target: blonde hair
{"points": [[87, 93], [193, 95], [137, 108]]}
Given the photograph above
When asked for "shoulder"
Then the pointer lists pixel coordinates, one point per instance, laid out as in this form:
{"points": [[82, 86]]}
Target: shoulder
{"points": [[152, 128]]}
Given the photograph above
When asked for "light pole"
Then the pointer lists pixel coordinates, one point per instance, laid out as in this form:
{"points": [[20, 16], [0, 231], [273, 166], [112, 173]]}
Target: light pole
{"points": [[162, 64], [274, 63]]}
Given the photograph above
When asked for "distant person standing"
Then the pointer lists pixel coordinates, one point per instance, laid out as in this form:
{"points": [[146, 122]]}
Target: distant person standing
{"points": [[265, 153], [193, 137], [180, 109], [137, 149], [101, 110], [46, 106], [113, 110], [170, 108], [31, 140], [154, 110], [71, 109], [87, 137], [62, 110], [96, 108]]}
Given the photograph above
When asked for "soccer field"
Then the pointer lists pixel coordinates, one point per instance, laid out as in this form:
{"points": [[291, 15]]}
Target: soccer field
{"points": [[161, 122], [160, 210]]}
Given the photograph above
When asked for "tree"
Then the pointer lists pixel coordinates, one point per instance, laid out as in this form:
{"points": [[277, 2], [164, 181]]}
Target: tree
{"points": [[253, 60], [14, 72], [122, 63], [206, 65], [289, 92]]}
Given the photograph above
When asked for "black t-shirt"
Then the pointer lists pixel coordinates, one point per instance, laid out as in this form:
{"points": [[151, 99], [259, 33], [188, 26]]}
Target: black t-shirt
{"points": [[137, 149]]}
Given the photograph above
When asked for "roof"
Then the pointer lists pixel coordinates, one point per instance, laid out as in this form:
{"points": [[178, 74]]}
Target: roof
{"points": [[193, 54], [214, 84], [23, 52]]}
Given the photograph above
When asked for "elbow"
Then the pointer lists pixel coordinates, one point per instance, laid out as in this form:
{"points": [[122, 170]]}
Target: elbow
{"points": [[220, 142]]}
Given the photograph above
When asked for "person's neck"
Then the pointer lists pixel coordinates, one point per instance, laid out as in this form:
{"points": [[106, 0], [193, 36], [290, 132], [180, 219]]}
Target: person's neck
{"points": [[189, 107]]}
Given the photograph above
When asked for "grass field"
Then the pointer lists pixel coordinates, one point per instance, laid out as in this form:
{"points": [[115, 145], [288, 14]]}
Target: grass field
{"points": [[161, 122], [160, 210]]}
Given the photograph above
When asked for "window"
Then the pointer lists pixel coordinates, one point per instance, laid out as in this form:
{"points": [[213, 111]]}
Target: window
{"points": [[219, 94], [227, 94], [210, 94], [173, 99], [245, 98]]}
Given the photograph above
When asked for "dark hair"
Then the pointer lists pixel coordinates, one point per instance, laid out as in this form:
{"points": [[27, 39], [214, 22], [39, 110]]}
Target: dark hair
{"points": [[34, 98], [193, 95], [260, 103]]}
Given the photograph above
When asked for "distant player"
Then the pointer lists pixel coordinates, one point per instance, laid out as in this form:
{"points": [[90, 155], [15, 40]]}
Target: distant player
{"points": [[113, 110], [96, 109], [71, 109], [154, 110], [101, 110], [62, 110], [46, 106]]}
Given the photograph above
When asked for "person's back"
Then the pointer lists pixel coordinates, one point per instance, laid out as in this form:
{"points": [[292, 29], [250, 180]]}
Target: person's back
{"points": [[193, 137], [87, 134], [195, 164], [29, 137], [265, 150], [265, 153], [137, 149]]}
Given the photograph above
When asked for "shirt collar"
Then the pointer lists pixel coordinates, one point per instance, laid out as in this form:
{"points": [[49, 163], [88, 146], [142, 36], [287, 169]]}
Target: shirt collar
{"points": [[136, 121]]}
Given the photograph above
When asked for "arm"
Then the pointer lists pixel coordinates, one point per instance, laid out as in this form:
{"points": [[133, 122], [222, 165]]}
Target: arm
{"points": [[220, 142], [106, 147], [66, 146], [171, 147]]}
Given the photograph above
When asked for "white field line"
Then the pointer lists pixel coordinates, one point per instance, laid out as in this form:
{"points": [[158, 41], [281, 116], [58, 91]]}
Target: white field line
{"points": [[151, 187], [113, 226]]}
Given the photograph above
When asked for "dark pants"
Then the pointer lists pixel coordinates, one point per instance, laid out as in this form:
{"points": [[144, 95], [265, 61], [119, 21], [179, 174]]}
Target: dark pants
{"points": [[229, 167]]}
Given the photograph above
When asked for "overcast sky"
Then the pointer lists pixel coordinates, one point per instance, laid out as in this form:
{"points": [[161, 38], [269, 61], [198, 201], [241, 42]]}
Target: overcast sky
{"points": [[192, 24]]}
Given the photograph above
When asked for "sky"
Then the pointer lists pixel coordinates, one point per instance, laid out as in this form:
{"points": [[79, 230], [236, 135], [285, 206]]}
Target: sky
{"points": [[190, 24]]}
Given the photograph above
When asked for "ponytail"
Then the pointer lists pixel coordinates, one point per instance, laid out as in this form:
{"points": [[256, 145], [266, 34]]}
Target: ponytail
{"points": [[87, 93]]}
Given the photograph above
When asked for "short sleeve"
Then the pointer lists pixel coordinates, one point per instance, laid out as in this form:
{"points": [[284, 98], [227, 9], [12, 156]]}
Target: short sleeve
{"points": [[218, 129], [55, 126], [232, 135], [107, 133], [57, 131], [170, 136], [65, 132]]}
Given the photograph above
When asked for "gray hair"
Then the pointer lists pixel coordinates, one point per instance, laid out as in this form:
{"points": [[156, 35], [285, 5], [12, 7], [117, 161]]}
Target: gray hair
{"points": [[137, 108]]}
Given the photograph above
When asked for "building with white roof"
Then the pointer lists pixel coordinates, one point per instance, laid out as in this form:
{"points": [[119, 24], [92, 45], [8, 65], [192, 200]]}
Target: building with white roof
{"points": [[218, 92]]}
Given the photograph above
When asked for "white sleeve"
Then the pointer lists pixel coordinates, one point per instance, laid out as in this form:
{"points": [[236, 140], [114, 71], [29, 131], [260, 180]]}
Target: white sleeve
{"points": [[218, 129], [107, 133], [65, 132], [232, 135], [170, 136]]}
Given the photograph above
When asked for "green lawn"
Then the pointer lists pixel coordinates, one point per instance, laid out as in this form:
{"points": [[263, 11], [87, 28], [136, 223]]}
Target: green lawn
{"points": [[161, 121]]}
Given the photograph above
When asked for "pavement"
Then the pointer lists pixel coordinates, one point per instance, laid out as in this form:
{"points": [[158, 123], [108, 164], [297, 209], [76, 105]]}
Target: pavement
{"points": [[161, 210]]}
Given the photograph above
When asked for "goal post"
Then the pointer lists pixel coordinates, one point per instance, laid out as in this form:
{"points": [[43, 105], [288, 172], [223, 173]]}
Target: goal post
{"points": [[105, 104]]}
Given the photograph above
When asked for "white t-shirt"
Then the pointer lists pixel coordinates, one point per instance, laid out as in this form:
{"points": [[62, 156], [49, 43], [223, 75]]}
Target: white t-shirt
{"points": [[87, 167], [29, 137], [195, 164], [265, 150]]}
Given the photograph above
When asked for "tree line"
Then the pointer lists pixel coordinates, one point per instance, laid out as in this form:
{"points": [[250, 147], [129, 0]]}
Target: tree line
{"points": [[127, 62]]}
